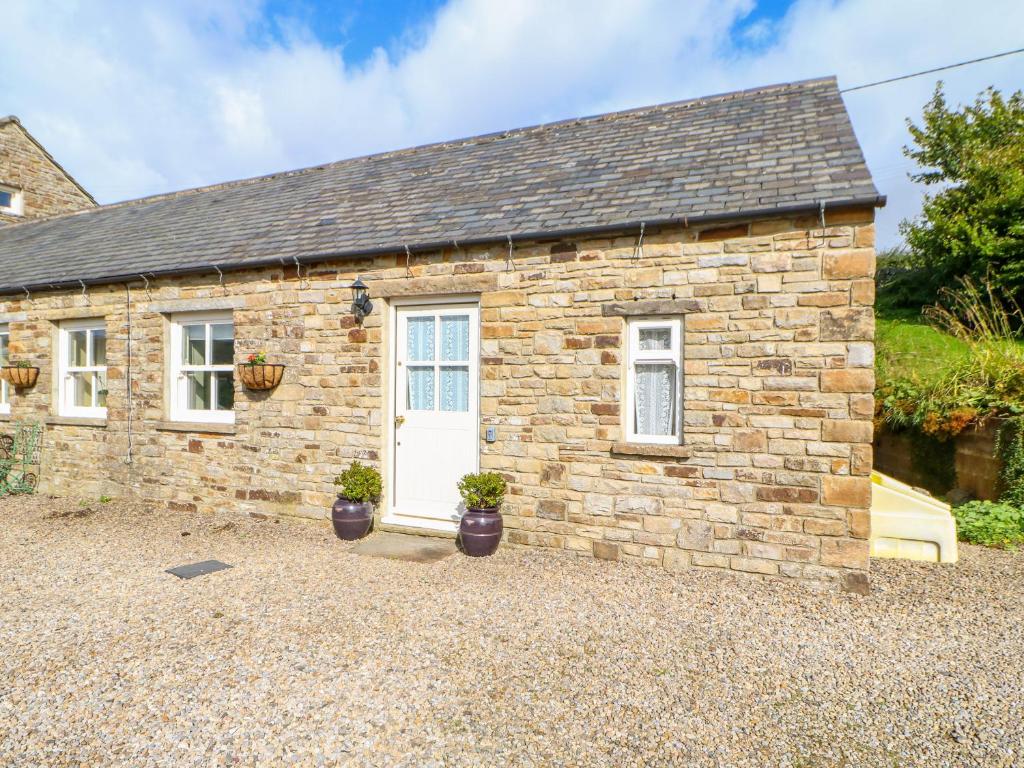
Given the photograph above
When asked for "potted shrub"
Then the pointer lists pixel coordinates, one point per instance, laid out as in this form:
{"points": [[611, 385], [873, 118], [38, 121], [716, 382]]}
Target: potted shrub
{"points": [[20, 375], [257, 374], [352, 513], [481, 526]]}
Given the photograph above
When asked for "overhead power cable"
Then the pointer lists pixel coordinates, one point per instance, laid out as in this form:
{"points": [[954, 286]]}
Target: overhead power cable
{"points": [[930, 71]]}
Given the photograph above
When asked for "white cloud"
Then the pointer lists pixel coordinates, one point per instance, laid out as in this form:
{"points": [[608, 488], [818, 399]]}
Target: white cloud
{"points": [[142, 97]]}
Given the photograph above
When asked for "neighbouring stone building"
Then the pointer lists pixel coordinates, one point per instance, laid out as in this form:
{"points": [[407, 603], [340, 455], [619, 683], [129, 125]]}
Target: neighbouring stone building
{"points": [[32, 184], [656, 324]]}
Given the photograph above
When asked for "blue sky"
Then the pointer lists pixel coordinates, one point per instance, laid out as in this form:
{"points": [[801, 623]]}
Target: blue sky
{"points": [[360, 26], [164, 96]]}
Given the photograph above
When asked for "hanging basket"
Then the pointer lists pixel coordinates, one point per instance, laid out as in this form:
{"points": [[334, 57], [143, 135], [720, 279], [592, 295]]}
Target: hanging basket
{"points": [[260, 376], [19, 377]]}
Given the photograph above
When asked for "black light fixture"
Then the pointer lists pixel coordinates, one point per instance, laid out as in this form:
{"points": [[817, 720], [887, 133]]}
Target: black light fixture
{"points": [[361, 304]]}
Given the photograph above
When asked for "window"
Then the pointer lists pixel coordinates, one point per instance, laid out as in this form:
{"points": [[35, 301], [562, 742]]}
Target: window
{"points": [[11, 201], [5, 388], [654, 382], [202, 368], [83, 369]]}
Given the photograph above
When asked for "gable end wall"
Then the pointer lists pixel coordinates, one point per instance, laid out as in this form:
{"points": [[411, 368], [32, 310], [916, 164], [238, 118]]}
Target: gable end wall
{"points": [[48, 191]]}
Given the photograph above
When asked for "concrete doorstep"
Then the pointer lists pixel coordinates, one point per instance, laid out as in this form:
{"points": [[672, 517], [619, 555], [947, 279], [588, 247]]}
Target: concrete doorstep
{"points": [[400, 546]]}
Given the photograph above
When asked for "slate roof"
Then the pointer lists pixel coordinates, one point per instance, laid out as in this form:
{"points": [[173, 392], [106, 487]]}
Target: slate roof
{"points": [[787, 146]]}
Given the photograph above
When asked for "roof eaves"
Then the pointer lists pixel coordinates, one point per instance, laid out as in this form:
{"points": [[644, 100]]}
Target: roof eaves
{"points": [[820, 207]]}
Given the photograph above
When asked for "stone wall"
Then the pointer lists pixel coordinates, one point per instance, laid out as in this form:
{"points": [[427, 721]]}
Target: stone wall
{"points": [[47, 188], [773, 476], [971, 467]]}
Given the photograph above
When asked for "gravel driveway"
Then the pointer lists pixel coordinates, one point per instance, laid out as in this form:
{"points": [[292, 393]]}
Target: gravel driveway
{"points": [[307, 654]]}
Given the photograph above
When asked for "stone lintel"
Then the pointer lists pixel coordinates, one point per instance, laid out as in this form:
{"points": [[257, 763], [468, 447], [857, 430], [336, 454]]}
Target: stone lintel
{"points": [[651, 307], [432, 285], [212, 303]]}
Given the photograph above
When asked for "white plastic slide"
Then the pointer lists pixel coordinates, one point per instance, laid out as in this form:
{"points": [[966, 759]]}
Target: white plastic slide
{"points": [[909, 524]]}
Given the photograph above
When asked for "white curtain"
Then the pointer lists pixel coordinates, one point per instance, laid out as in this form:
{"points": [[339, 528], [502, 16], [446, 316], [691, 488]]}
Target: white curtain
{"points": [[455, 338], [655, 398], [420, 388], [420, 338]]}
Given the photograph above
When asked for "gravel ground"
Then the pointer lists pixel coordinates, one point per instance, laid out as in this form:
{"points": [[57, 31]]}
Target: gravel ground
{"points": [[306, 654]]}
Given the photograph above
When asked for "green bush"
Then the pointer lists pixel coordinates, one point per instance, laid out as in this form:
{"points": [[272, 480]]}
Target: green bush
{"points": [[359, 483], [482, 490], [990, 524]]}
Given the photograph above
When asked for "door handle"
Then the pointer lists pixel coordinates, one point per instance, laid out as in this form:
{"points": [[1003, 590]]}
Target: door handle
{"points": [[399, 421]]}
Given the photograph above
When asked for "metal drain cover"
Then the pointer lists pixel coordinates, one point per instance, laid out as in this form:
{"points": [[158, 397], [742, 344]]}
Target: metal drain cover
{"points": [[192, 570]]}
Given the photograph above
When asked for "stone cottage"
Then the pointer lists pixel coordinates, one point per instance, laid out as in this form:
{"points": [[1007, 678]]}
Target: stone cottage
{"points": [[656, 324]]}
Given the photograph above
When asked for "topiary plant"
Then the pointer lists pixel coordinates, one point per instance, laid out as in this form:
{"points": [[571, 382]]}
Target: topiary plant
{"points": [[990, 524], [482, 490], [359, 483]]}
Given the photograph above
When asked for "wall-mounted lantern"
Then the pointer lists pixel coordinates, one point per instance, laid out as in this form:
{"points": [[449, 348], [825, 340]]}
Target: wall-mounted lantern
{"points": [[361, 304]]}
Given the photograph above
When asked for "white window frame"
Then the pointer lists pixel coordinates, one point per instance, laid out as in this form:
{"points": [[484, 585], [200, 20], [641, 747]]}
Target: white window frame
{"points": [[17, 206], [177, 369], [5, 388], [66, 393], [636, 356]]}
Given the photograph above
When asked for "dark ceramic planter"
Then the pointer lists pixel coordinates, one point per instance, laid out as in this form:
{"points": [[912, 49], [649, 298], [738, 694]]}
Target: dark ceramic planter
{"points": [[352, 519], [480, 531]]}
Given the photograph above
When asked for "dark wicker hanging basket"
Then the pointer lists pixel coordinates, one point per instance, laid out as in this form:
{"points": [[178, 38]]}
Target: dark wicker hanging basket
{"points": [[20, 376], [260, 376]]}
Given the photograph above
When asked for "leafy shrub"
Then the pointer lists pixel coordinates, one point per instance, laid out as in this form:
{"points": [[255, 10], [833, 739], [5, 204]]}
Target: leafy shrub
{"points": [[990, 524], [970, 224], [986, 380], [1010, 452], [359, 483], [482, 490]]}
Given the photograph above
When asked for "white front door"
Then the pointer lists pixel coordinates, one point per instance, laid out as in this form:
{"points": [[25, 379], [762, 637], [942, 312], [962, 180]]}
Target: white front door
{"points": [[436, 411]]}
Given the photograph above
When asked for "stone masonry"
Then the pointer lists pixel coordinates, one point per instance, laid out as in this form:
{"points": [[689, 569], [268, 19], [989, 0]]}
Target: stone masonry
{"points": [[25, 165], [773, 474]]}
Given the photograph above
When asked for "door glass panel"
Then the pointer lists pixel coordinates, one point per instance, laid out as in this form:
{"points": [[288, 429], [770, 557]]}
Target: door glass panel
{"points": [[101, 389], [655, 339], [420, 341], [223, 339], [455, 337], [193, 338], [199, 397], [77, 349], [454, 388], [225, 390], [81, 384], [420, 388], [655, 398], [99, 348]]}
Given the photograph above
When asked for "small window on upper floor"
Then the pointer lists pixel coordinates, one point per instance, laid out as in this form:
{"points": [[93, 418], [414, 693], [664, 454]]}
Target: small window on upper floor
{"points": [[11, 201], [202, 357], [83, 369], [654, 381]]}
